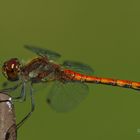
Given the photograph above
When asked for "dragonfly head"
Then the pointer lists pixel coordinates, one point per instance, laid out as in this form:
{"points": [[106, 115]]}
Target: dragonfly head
{"points": [[11, 69]]}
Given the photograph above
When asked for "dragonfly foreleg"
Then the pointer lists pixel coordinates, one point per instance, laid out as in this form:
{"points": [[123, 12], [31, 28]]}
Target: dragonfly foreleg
{"points": [[22, 96], [32, 109], [10, 89]]}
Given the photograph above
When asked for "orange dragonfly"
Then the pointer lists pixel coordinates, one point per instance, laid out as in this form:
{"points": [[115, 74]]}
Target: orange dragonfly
{"points": [[70, 79]]}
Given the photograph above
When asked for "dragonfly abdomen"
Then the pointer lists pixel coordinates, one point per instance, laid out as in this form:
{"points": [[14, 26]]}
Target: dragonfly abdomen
{"points": [[98, 80], [114, 82]]}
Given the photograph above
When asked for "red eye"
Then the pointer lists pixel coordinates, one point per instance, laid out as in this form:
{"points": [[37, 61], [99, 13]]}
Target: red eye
{"points": [[11, 69]]}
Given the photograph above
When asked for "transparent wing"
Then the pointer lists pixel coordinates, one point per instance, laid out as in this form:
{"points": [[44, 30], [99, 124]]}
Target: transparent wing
{"points": [[64, 97], [43, 52], [78, 67]]}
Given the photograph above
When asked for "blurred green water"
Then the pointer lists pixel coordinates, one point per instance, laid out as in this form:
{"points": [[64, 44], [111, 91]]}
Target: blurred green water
{"points": [[103, 34]]}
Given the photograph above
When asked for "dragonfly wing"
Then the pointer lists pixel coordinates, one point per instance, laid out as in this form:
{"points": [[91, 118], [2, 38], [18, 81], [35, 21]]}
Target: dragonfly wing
{"points": [[64, 97], [43, 52], [78, 67]]}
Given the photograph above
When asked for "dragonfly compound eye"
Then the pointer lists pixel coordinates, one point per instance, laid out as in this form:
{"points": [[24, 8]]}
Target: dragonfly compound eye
{"points": [[11, 69]]}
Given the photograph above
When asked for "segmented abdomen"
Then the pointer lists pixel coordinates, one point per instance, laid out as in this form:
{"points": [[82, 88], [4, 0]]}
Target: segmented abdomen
{"points": [[71, 75]]}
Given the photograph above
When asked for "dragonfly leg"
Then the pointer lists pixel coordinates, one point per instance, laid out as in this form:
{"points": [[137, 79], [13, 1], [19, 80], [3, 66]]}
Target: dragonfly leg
{"points": [[32, 109], [10, 89], [22, 96]]}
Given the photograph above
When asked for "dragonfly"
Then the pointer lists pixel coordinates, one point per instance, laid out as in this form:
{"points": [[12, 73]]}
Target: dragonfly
{"points": [[69, 79]]}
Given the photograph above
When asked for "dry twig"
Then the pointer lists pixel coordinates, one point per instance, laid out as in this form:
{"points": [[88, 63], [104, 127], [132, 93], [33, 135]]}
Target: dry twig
{"points": [[7, 118]]}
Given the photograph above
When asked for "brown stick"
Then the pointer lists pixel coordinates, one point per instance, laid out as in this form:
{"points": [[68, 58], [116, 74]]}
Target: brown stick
{"points": [[7, 118]]}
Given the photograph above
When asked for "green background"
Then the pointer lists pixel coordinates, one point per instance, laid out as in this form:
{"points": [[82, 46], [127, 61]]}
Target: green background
{"points": [[104, 34]]}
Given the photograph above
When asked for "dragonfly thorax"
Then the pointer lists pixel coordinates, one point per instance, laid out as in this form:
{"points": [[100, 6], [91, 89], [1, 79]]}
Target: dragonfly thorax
{"points": [[11, 69]]}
